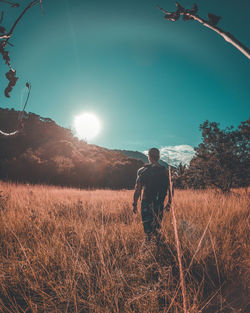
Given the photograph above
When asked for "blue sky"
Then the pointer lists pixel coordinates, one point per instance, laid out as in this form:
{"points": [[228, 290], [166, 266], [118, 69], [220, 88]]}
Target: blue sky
{"points": [[150, 81]]}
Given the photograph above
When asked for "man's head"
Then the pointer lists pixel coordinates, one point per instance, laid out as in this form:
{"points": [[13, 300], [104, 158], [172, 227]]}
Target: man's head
{"points": [[153, 155]]}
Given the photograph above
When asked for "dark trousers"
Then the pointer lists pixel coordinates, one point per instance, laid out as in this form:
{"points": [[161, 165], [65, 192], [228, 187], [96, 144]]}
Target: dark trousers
{"points": [[152, 214]]}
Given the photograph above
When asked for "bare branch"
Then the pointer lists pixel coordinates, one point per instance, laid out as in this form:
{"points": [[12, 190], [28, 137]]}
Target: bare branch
{"points": [[42, 8], [1, 18], [4, 37], [20, 16], [12, 4], [11, 74], [211, 23]]}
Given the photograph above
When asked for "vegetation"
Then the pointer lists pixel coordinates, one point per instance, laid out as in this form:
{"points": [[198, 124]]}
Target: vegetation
{"points": [[47, 153], [71, 250], [221, 160]]}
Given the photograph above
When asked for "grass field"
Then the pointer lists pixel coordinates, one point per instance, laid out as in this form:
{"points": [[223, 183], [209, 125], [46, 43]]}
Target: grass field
{"points": [[69, 250]]}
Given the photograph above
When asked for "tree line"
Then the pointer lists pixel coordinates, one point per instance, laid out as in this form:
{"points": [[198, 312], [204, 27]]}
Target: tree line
{"points": [[46, 153], [221, 160]]}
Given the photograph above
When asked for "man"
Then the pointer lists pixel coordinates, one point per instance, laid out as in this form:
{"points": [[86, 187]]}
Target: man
{"points": [[153, 180]]}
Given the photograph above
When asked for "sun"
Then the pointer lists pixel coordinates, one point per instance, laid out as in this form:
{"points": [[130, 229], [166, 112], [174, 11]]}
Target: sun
{"points": [[87, 126]]}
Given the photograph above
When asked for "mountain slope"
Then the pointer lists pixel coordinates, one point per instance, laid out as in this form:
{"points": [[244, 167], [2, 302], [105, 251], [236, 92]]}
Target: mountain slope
{"points": [[45, 152], [139, 156]]}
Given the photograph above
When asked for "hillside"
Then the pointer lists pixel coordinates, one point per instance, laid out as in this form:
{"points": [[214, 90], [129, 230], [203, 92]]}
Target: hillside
{"points": [[139, 156], [45, 152]]}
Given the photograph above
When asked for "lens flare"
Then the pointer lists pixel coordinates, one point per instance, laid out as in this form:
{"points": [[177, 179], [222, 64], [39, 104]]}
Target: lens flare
{"points": [[87, 126]]}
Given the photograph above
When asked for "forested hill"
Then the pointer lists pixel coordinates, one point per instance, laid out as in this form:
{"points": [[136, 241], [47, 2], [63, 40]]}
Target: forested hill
{"points": [[139, 156], [46, 153]]}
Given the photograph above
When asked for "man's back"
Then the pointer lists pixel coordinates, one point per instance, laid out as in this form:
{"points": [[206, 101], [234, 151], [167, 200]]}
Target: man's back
{"points": [[155, 182], [153, 179]]}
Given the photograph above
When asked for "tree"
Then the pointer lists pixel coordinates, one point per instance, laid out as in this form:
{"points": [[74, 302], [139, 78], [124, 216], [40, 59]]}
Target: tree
{"points": [[180, 176], [211, 23], [222, 159]]}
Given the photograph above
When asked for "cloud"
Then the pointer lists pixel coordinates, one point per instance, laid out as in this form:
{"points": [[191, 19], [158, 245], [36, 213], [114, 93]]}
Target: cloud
{"points": [[177, 154]]}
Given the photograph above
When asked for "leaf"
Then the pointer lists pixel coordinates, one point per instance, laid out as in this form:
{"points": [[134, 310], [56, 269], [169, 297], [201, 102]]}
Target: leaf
{"points": [[194, 9], [179, 8], [5, 54], [11, 76], [213, 19], [187, 18], [15, 5], [1, 18], [172, 16], [2, 30]]}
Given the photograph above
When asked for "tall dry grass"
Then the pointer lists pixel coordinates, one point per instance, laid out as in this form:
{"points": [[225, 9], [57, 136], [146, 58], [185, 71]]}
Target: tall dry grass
{"points": [[69, 250]]}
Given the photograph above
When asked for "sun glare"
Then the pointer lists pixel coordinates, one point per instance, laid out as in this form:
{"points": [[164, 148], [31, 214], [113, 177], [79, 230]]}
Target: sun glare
{"points": [[87, 126]]}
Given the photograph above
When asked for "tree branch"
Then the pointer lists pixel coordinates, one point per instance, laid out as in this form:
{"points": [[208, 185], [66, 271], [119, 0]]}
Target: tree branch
{"points": [[42, 8], [20, 16], [11, 74], [211, 23], [1, 18], [4, 37], [12, 4]]}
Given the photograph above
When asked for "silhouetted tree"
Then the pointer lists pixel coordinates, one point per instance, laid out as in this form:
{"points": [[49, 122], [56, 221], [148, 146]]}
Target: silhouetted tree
{"points": [[180, 176], [222, 159]]}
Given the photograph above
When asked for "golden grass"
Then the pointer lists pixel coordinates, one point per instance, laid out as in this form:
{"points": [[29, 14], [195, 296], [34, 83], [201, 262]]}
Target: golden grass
{"points": [[69, 250]]}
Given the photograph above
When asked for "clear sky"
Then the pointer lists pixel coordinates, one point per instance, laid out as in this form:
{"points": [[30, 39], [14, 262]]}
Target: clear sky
{"points": [[150, 81]]}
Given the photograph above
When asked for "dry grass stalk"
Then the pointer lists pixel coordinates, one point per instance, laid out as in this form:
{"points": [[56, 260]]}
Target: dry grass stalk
{"points": [[84, 251], [182, 278]]}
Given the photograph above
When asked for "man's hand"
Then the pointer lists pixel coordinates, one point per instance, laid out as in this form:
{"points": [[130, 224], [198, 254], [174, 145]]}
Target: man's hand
{"points": [[168, 206], [135, 210]]}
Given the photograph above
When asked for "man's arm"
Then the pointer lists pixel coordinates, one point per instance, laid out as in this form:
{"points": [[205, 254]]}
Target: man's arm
{"points": [[138, 189], [170, 195], [137, 194]]}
